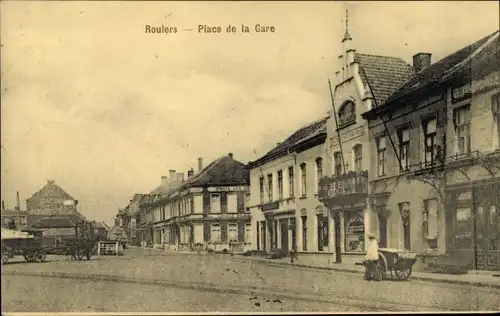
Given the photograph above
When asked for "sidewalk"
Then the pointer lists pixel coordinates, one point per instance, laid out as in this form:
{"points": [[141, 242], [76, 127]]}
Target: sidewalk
{"points": [[476, 278]]}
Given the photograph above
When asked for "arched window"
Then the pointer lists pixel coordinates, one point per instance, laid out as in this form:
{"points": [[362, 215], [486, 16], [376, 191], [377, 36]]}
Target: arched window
{"points": [[358, 157], [319, 170], [347, 113], [303, 179]]}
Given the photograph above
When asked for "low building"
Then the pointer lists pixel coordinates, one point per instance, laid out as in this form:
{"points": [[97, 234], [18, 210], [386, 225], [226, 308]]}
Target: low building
{"points": [[424, 137], [286, 213]]}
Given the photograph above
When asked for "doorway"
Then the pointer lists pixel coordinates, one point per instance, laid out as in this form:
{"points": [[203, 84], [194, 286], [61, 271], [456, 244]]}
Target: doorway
{"points": [[284, 234]]}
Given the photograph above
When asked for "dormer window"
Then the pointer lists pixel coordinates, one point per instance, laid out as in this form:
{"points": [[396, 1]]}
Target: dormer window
{"points": [[347, 114]]}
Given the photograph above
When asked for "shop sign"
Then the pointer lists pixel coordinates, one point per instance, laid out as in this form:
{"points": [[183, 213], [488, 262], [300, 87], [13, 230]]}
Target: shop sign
{"points": [[461, 93], [228, 189], [350, 183], [229, 216], [270, 206]]}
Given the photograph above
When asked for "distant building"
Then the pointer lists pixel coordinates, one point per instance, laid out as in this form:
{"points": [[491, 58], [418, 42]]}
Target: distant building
{"points": [[53, 210], [206, 208], [14, 218], [127, 218]]}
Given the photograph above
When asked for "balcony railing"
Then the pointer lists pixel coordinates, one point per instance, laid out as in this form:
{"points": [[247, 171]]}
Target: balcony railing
{"points": [[346, 184]]}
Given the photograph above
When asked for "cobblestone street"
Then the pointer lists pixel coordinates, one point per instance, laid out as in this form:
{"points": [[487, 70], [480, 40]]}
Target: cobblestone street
{"points": [[154, 281]]}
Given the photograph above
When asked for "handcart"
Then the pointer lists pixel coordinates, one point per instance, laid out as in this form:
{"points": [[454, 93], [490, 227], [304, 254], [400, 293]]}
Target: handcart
{"points": [[396, 262]]}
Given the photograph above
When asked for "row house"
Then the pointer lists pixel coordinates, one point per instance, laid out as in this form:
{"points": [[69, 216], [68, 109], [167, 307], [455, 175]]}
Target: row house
{"points": [[435, 182], [208, 209], [128, 218], [362, 82], [286, 212]]}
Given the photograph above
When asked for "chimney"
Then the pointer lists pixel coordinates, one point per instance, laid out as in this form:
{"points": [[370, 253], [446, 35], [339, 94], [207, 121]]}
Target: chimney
{"points": [[180, 176], [50, 182], [200, 164], [3, 205], [164, 179], [190, 173], [18, 203], [171, 175], [421, 61], [230, 155]]}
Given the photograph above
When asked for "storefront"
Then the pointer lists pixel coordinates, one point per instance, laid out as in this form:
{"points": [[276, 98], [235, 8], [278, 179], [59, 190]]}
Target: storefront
{"points": [[473, 223], [345, 198]]}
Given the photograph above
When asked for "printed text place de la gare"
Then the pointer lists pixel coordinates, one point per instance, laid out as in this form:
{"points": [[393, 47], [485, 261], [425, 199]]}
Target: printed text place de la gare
{"points": [[209, 29]]}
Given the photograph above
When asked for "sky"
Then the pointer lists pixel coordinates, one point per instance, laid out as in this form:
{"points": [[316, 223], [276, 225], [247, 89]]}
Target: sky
{"points": [[93, 102]]}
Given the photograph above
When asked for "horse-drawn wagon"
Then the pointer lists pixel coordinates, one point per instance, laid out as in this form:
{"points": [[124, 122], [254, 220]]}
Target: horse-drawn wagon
{"points": [[21, 243]]}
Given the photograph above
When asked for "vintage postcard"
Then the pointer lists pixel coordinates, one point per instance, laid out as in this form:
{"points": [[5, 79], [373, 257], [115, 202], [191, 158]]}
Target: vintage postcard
{"points": [[250, 157]]}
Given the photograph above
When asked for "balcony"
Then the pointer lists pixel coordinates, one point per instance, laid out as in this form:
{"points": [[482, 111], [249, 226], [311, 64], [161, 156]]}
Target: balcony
{"points": [[349, 184]]}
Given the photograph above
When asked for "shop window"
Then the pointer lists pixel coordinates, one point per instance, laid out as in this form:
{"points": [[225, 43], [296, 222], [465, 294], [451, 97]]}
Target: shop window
{"points": [[463, 229], [354, 231], [303, 179], [215, 234], [337, 160], [430, 222], [429, 128], [280, 184], [291, 192], [232, 232], [462, 128], [404, 209], [319, 171], [358, 157], [381, 158], [248, 233], [404, 147], [270, 186], [304, 233]]}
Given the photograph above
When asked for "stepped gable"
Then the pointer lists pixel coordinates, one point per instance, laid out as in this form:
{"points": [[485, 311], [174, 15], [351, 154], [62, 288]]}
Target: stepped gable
{"points": [[385, 74]]}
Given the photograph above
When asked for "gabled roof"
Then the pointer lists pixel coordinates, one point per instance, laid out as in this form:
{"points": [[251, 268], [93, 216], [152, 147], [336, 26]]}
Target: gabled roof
{"points": [[438, 70], [301, 135], [51, 189], [384, 74], [222, 171], [56, 222]]}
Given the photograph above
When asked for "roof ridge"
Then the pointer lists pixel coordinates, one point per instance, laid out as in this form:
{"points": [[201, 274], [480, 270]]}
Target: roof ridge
{"points": [[385, 56], [205, 170]]}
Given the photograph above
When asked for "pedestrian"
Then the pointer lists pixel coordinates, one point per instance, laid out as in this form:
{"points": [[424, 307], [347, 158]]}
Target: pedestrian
{"points": [[372, 271]]}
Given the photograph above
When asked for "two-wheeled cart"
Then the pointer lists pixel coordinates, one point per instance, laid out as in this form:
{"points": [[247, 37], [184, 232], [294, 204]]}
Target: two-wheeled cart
{"points": [[23, 244]]}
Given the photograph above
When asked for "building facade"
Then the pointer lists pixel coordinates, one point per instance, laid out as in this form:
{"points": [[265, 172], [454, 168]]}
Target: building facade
{"points": [[286, 212], [206, 210], [425, 143], [363, 82]]}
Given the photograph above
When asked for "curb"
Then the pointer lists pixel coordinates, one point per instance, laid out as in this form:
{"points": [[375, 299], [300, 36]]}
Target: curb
{"points": [[420, 278]]}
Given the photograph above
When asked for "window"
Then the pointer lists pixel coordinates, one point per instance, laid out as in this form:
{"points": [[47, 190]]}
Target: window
{"points": [[404, 209], [322, 232], [303, 179], [404, 147], [215, 203], [495, 107], [248, 233], [319, 171], [358, 158], [463, 229], [337, 159], [261, 188], [280, 184], [462, 128], [304, 233], [270, 186], [430, 222], [290, 182], [429, 127], [347, 113], [215, 235], [232, 203], [381, 159], [354, 232], [232, 232]]}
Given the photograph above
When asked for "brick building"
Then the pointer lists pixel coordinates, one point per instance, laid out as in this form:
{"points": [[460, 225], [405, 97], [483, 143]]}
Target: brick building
{"points": [[432, 139]]}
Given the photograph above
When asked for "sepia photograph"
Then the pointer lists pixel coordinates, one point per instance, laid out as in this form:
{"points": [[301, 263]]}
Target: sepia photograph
{"points": [[249, 157]]}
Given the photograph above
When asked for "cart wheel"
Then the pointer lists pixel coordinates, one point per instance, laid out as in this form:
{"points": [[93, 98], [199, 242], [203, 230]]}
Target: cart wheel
{"points": [[403, 274], [5, 258], [28, 256], [40, 256]]}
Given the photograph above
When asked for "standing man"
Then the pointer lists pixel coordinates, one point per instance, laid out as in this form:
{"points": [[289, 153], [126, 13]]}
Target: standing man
{"points": [[371, 259]]}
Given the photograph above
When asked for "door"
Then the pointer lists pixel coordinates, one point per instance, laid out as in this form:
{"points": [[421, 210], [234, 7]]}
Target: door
{"points": [[382, 227], [284, 235]]}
